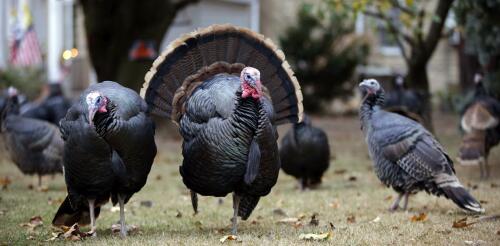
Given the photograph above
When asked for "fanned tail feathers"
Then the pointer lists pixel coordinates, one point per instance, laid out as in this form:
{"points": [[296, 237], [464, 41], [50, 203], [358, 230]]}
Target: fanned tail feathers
{"points": [[197, 56], [473, 148]]}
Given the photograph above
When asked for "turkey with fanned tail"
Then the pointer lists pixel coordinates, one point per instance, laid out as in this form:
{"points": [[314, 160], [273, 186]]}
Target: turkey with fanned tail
{"points": [[227, 88], [109, 150], [406, 156], [479, 120]]}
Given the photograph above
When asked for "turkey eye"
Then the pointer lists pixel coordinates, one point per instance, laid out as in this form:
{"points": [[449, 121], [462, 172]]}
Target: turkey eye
{"points": [[98, 100], [248, 77]]}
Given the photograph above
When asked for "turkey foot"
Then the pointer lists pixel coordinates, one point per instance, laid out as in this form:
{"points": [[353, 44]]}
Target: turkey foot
{"points": [[395, 204], [92, 231]]}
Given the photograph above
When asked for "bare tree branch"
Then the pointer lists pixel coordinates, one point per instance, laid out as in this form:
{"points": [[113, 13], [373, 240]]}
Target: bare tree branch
{"points": [[403, 8], [434, 33]]}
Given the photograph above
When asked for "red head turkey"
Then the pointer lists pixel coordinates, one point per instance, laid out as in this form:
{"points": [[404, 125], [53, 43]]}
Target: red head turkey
{"points": [[109, 150], [227, 88], [405, 155]]}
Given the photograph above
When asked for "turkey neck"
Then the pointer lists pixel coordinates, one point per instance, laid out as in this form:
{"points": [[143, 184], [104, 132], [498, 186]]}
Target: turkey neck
{"points": [[371, 103], [11, 108], [103, 121], [246, 111]]}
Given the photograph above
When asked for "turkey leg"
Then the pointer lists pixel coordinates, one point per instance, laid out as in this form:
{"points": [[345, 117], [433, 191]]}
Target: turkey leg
{"points": [[395, 205], [236, 204], [405, 201], [92, 231], [123, 227]]}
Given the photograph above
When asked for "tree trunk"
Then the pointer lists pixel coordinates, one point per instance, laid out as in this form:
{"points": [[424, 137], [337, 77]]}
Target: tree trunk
{"points": [[113, 26], [418, 79]]}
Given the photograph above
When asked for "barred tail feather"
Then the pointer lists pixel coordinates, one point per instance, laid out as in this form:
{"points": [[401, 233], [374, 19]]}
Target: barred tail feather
{"points": [[461, 197], [220, 49], [473, 148]]}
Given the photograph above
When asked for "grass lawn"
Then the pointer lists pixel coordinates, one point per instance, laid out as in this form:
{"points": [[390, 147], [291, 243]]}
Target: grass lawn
{"points": [[351, 198]]}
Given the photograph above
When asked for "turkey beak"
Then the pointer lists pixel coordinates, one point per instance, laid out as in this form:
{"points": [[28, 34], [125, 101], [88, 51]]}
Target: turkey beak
{"points": [[92, 111]]}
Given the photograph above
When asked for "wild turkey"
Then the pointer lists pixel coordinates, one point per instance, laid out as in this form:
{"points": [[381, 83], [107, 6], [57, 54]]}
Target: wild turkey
{"points": [[109, 150], [305, 153], [404, 101], [479, 121], [35, 146], [209, 82], [53, 108], [405, 155]]}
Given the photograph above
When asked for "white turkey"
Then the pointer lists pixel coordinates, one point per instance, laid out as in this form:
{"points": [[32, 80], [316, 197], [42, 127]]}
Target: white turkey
{"points": [[109, 150], [305, 153], [406, 156], [35, 146], [227, 88], [480, 123]]}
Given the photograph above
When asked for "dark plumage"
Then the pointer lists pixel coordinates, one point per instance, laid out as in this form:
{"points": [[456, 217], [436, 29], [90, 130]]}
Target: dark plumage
{"points": [[405, 155], [109, 151], [209, 82], [305, 153], [480, 123], [35, 146], [405, 101], [53, 108]]}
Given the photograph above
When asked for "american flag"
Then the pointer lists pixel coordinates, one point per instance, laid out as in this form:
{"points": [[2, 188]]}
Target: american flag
{"points": [[24, 47]]}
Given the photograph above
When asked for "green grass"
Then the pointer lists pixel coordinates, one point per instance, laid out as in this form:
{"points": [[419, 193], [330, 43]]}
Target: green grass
{"points": [[365, 199]]}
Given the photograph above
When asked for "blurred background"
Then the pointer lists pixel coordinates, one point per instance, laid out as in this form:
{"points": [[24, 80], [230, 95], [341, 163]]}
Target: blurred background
{"points": [[436, 47]]}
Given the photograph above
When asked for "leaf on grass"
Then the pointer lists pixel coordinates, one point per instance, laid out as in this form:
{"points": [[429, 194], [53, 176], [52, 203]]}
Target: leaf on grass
{"points": [[295, 222], [131, 229], [314, 220], [351, 219], [279, 212], [418, 217], [376, 220], [179, 214], [198, 224], [5, 182], [483, 201], [335, 204], [388, 198], [352, 178], [35, 221], [254, 222], [42, 188], [72, 233], [147, 203], [229, 238], [498, 232], [493, 185], [56, 202], [462, 223], [340, 171], [158, 177], [116, 209], [316, 237]]}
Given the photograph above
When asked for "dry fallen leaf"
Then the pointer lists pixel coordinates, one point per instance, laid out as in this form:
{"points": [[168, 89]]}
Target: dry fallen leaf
{"points": [[376, 220], [493, 185], [483, 201], [158, 177], [42, 188], [116, 209], [316, 237], [5, 182], [56, 202], [146, 203], [351, 219], [198, 224], [279, 212], [229, 238], [314, 220], [131, 229], [339, 171], [35, 221], [418, 217], [498, 232], [335, 204], [352, 178], [179, 214], [388, 198], [462, 223], [288, 221], [72, 233]]}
